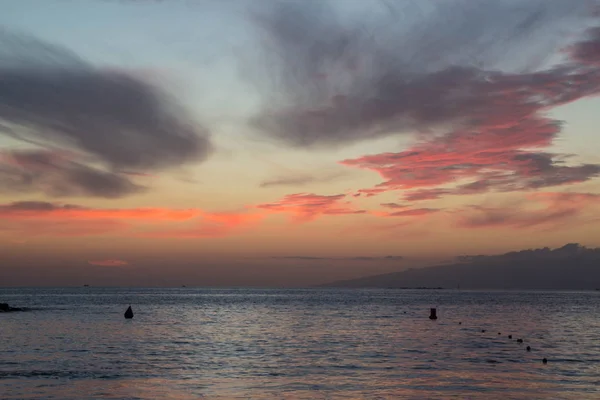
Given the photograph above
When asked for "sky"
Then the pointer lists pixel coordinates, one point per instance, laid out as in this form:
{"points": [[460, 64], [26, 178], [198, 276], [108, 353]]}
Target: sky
{"points": [[289, 143]]}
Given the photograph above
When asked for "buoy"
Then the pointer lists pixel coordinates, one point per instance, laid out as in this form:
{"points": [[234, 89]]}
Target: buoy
{"points": [[433, 314], [129, 313], [510, 336], [499, 333], [483, 331], [460, 323], [528, 348], [544, 360], [519, 340]]}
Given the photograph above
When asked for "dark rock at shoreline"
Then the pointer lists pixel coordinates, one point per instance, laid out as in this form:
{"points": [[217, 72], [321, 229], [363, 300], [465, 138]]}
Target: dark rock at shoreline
{"points": [[4, 307]]}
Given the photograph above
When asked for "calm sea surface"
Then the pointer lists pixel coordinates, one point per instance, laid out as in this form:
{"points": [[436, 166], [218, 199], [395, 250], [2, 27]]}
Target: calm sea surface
{"points": [[298, 344]]}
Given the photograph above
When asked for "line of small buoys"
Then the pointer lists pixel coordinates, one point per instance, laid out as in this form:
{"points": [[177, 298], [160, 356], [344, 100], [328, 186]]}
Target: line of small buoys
{"points": [[433, 316]]}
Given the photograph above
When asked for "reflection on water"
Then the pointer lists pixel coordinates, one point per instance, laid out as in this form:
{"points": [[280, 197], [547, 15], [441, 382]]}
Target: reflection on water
{"points": [[298, 344]]}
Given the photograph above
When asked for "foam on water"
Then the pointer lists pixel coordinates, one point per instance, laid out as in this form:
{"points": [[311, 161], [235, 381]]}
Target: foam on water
{"points": [[298, 344]]}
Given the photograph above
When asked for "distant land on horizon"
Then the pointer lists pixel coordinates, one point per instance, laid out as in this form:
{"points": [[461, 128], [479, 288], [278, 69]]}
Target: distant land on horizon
{"points": [[571, 267]]}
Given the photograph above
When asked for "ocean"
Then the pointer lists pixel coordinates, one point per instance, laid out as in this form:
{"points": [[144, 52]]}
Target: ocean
{"points": [[188, 343]]}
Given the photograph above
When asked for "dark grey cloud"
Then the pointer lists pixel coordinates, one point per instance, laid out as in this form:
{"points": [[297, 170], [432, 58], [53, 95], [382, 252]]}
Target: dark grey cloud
{"points": [[333, 79], [541, 170], [41, 171], [36, 206], [394, 205], [52, 98]]}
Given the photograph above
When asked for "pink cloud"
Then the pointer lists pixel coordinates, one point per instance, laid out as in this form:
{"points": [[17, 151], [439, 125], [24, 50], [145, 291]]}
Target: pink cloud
{"points": [[31, 218], [40, 210], [306, 206], [497, 141], [212, 225]]}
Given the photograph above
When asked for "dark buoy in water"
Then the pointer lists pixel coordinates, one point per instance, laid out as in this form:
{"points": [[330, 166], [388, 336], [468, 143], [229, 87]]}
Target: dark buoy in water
{"points": [[483, 331], [544, 360], [510, 336], [528, 348], [433, 314], [460, 323], [519, 340], [129, 313]]}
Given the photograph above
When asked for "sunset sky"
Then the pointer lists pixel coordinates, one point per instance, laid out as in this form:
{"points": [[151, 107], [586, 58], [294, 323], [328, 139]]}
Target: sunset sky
{"points": [[291, 142]]}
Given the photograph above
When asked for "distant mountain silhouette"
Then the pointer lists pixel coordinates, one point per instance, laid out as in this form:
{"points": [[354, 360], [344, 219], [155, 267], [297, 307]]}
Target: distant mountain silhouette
{"points": [[571, 267]]}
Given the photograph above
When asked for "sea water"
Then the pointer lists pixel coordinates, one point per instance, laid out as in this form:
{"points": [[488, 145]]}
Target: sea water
{"points": [[189, 343]]}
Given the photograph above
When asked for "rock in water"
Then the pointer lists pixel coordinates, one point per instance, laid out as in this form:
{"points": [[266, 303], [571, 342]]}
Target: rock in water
{"points": [[4, 307], [129, 313]]}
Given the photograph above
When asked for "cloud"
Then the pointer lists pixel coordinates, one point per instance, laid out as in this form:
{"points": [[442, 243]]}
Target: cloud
{"points": [[426, 194], [307, 206], [405, 210], [36, 218], [486, 217], [359, 258], [50, 98], [216, 224], [299, 180], [40, 210], [53, 227], [109, 263], [550, 209], [288, 181], [588, 51], [485, 160], [559, 199], [54, 174], [393, 205], [412, 212], [332, 78], [447, 74]]}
